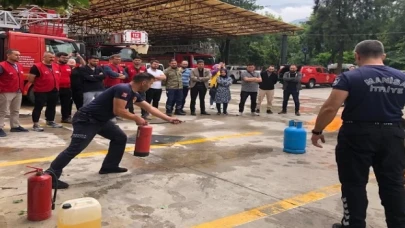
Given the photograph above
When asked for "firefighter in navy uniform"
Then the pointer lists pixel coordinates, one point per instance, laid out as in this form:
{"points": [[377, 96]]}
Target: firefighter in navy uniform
{"points": [[95, 118], [371, 135]]}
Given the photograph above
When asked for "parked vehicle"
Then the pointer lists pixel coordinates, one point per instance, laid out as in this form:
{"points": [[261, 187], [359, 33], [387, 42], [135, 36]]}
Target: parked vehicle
{"points": [[32, 46], [311, 75], [333, 67], [235, 72], [127, 54], [161, 67]]}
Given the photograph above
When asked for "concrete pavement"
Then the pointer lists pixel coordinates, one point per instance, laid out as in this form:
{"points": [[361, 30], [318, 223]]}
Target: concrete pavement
{"points": [[220, 171]]}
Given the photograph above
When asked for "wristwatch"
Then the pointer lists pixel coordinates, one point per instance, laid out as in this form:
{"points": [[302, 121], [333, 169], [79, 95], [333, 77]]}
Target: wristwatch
{"points": [[316, 132]]}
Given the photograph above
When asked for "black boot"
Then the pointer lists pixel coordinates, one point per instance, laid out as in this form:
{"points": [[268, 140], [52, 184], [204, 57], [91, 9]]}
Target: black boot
{"points": [[179, 112], [58, 184], [112, 170]]}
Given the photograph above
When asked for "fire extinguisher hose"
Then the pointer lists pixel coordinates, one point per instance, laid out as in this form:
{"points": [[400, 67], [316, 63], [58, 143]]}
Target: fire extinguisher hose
{"points": [[54, 177], [165, 122]]}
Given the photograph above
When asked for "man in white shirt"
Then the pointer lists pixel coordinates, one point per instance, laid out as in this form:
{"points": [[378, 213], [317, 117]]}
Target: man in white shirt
{"points": [[155, 92]]}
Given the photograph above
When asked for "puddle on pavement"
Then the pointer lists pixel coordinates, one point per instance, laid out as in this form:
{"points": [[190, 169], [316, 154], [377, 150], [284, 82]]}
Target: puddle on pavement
{"points": [[158, 139], [206, 156]]}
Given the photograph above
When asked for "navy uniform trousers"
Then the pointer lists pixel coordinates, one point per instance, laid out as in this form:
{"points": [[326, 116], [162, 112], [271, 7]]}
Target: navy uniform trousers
{"points": [[378, 145], [85, 128]]}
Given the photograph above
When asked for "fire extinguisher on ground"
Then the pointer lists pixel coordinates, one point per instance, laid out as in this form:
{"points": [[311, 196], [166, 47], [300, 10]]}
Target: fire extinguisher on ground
{"points": [[39, 195], [142, 141]]}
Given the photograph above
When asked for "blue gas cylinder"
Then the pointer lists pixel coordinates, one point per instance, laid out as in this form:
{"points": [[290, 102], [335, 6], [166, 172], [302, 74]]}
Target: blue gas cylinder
{"points": [[295, 138]]}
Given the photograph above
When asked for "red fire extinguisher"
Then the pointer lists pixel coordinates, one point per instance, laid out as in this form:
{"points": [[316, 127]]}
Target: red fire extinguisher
{"points": [[39, 195], [143, 140]]}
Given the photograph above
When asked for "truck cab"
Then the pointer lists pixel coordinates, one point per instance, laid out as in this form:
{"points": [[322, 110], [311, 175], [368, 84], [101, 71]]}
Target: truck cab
{"points": [[311, 75], [104, 52], [32, 47]]}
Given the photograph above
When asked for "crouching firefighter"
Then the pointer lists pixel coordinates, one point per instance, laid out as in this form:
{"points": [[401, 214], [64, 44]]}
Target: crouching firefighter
{"points": [[95, 118]]}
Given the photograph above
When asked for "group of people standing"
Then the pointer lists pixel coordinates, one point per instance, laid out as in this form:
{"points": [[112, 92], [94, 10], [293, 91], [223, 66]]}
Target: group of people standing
{"points": [[50, 83], [69, 79], [180, 81], [255, 85]]}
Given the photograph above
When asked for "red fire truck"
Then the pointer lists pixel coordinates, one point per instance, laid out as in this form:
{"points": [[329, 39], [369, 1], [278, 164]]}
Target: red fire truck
{"points": [[311, 75], [42, 36], [127, 53], [122, 43]]}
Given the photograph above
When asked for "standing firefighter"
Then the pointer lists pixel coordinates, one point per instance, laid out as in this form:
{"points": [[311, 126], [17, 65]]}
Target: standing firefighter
{"points": [[45, 76], [11, 87], [132, 71], [65, 92], [371, 135], [114, 72]]}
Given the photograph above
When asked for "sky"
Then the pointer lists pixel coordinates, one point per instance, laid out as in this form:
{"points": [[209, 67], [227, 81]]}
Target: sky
{"points": [[289, 10]]}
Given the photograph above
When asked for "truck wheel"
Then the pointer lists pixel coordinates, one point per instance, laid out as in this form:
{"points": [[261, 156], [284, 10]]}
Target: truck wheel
{"points": [[311, 84], [31, 96], [234, 81]]}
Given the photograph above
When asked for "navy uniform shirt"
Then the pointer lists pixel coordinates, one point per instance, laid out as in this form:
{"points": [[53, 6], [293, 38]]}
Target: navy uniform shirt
{"points": [[376, 94], [101, 108]]}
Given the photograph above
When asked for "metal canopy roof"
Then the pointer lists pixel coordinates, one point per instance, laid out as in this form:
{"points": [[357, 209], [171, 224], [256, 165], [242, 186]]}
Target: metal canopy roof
{"points": [[176, 19]]}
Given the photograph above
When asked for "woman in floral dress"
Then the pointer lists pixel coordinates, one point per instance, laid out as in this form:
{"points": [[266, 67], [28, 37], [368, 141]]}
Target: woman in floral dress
{"points": [[223, 93]]}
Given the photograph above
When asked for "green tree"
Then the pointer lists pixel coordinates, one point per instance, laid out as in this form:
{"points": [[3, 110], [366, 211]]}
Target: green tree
{"points": [[337, 25], [332, 17], [393, 38], [322, 58], [348, 57], [245, 4], [225, 43]]}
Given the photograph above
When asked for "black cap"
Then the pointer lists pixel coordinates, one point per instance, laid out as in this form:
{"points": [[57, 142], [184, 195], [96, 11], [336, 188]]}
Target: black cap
{"points": [[66, 206]]}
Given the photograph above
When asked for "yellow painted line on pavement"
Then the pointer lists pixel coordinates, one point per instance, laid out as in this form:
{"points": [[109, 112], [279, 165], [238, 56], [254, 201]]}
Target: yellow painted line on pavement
{"points": [[274, 208], [131, 149]]}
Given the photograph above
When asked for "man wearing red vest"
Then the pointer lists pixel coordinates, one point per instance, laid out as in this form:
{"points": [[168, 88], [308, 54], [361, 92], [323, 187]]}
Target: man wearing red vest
{"points": [[114, 72], [11, 86], [132, 71], [45, 76], [65, 93]]}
